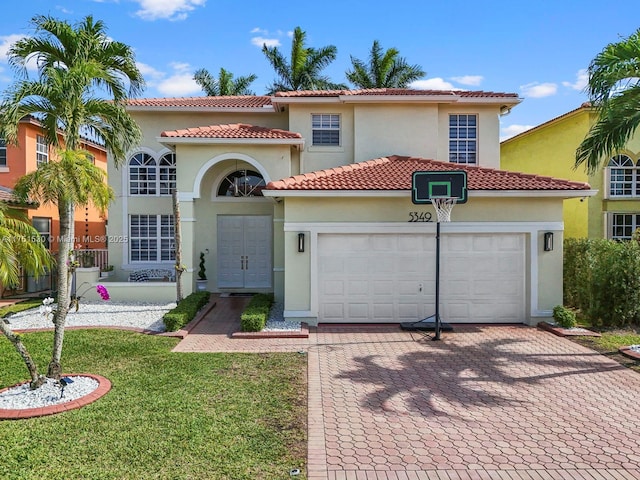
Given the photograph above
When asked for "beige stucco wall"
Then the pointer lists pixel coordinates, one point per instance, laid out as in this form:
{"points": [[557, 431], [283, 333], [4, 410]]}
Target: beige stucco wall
{"points": [[530, 216]]}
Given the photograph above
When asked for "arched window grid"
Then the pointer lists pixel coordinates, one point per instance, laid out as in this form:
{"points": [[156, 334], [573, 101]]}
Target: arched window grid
{"points": [[150, 177], [242, 183], [624, 177]]}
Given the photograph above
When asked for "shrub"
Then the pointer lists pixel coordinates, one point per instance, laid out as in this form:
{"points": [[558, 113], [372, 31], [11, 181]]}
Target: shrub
{"points": [[602, 279], [185, 311], [254, 318], [564, 317]]}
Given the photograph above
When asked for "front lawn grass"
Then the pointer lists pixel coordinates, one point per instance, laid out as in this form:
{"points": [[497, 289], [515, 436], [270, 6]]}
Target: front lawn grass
{"points": [[168, 415], [609, 343], [21, 306]]}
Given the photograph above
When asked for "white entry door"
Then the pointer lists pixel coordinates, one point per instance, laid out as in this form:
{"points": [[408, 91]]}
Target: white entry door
{"points": [[244, 251]]}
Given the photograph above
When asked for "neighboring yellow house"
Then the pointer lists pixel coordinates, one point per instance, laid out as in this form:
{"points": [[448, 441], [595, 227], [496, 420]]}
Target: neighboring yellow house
{"points": [[309, 195], [550, 148]]}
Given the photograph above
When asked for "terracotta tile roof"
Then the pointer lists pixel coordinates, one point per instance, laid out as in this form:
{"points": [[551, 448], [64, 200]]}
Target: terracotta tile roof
{"points": [[244, 101], [234, 130], [395, 172], [7, 196], [394, 91]]}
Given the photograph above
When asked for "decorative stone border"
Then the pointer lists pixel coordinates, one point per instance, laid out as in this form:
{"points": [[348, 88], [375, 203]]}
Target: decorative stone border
{"points": [[567, 332], [104, 385], [629, 353]]}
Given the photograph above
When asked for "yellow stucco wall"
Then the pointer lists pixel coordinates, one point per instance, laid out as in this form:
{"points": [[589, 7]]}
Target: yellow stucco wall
{"points": [[550, 150]]}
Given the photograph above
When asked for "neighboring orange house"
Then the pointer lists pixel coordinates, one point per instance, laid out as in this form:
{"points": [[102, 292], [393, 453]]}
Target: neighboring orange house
{"points": [[31, 151]]}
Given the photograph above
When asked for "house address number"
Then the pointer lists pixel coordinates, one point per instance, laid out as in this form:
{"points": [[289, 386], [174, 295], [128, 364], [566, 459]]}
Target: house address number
{"points": [[419, 217]]}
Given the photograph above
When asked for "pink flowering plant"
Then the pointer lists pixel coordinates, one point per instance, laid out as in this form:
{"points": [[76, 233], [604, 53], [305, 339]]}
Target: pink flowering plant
{"points": [[100, 289]]}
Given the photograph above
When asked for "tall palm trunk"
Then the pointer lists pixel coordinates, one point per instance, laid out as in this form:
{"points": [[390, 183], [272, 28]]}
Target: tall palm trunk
{"points": [[66, 211]]}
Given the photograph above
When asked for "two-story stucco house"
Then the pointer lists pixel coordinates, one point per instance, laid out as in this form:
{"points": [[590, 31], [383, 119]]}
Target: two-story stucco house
{"points": [[308, 195], [550, 149]]}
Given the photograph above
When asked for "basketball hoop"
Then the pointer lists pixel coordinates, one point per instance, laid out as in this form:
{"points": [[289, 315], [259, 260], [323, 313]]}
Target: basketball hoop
{"points": [[444, 206]]}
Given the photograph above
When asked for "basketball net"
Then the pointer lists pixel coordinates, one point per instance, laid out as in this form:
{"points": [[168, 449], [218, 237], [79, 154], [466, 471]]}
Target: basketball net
{"points": [[443, 206]]}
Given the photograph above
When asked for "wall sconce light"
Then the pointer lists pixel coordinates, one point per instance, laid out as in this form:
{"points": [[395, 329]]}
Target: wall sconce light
{"points": [[301, 242], [548, 241]]}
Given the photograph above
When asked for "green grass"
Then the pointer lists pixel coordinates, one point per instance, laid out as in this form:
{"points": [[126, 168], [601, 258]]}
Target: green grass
{"points": [[609, 343], [168, 415], [23, 305]]}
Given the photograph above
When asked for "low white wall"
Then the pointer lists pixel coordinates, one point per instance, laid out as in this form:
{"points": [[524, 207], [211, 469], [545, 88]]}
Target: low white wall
{"points": [[88, 278]]}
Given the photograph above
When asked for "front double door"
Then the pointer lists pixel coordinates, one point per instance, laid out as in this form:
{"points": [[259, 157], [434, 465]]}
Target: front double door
{"points": [[244, 251]]}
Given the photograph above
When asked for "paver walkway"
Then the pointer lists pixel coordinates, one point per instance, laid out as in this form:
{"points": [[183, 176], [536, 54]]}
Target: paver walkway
{"points": [[507, 403]]}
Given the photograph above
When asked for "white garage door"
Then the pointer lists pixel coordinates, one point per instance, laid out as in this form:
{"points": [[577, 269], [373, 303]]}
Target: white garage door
{"points": [[380, 278]]}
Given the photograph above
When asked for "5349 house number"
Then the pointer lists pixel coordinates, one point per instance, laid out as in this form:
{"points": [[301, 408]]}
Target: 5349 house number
{"points": [[419, 217]]}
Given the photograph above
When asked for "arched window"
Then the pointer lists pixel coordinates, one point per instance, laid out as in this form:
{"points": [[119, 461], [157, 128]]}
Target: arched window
{"points": [[167, 174], [622, 177], [242, 183], [142, 175]]}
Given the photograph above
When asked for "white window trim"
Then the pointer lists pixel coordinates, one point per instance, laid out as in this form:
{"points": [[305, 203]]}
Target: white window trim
{"points": [[157, 157], [477, 137], [635, 179], [41, 142], [635, 224], [339, 129], [159, 238]]}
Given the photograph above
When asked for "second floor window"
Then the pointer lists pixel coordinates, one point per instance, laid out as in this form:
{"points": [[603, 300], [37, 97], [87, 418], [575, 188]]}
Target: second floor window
{"points": [[150, 177], [43, 226], [42, 150], [3, 153], [623, 177], [325, 130], [463, 139]]}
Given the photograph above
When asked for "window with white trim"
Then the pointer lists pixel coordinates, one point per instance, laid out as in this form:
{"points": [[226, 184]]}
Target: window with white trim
{"points": [[3, 153], [623, 177], [151, 238], [143, 175], [167, 174], [42, 150], [325, 129], [622, 225], [463, 138], [242, 183], [43, 226]]}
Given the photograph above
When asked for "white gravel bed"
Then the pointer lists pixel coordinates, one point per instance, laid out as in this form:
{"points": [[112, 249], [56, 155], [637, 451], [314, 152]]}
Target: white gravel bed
{"points": [[100, 313], [635, 348], [277, 322], [22, 397]]}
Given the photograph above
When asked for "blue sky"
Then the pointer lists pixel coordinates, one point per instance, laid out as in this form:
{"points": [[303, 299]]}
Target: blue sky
{"points": [[539, 50]]}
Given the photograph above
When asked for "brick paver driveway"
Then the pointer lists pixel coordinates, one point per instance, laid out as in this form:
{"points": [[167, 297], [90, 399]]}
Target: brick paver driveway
{"points": [[504, 402]]}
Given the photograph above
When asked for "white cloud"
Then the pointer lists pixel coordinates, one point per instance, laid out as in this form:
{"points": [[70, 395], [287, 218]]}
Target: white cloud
{"points": [[539, 90], [582, 79], [436, 83], [180, 84], [269, 42], [471, 80], [5, 44], [513, 130], [167, 9], [261, 31]]}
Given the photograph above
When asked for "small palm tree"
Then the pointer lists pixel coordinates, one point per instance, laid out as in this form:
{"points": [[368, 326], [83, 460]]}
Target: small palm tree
{"points": [[303, 71], [77, 65], [20, 246], [225, 84], [383, 70], [614, 90]]}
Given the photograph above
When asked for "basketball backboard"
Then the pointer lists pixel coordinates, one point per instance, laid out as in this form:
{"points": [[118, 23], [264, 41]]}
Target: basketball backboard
{"points": [[429, 185]]}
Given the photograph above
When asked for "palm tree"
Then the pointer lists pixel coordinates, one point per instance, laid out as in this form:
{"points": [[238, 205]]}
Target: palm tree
{"points": [[303, 71], [20, 246], [383, 70], [225, 84], [614, 91], [78, 66]]}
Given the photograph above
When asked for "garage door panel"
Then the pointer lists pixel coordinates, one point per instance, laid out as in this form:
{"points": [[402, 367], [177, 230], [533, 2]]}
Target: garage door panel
{"points": [[377, 278]]}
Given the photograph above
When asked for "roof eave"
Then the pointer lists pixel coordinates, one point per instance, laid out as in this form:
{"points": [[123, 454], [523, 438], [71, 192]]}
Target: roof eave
{"points": [[299, 142], [407, 193], [202, 108]]}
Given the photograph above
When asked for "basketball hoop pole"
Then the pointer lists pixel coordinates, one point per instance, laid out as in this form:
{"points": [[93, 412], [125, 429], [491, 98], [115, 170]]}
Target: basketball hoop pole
{"points": [[437, 319]]}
